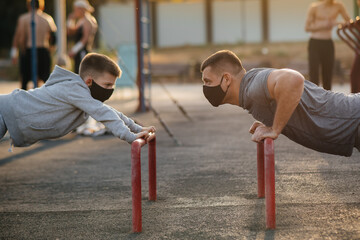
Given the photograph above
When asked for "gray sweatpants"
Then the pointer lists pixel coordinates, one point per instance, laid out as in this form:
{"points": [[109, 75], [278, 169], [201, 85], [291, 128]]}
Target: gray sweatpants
{"points": [[3, 128]]}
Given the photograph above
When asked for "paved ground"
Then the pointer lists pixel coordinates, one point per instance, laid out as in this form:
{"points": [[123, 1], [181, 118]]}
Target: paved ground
{"points": [[80, 187]]}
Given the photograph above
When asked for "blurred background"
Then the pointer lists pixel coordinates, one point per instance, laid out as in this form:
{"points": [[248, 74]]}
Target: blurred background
{"points": [[182, 33]]}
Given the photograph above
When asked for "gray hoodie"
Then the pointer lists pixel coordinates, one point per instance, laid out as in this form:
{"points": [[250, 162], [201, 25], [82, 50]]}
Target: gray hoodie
{"points": [[62, 104]]}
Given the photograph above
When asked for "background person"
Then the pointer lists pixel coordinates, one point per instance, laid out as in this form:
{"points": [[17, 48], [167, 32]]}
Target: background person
{"points": [[82, 26], [321, 18], [45, 37], [355, 70]]}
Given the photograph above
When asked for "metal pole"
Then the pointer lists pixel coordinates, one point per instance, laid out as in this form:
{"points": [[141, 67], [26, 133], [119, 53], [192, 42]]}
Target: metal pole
{"points": [[136, 184], [260, 170], [60, 9], [148, 32], [140, 76], [136, 179], [269, 183], [33, 42], [152, 170]]}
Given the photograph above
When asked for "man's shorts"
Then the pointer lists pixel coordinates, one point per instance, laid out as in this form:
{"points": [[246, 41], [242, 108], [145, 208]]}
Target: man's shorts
{"points": [[43, 64]]}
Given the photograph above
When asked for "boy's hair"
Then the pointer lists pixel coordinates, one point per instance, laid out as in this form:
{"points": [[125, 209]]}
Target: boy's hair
{"points": [[39, 4], [221, 60], [94, 64]]}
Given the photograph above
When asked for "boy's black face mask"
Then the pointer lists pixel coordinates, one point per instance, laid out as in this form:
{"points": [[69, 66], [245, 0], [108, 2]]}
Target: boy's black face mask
{"points": [[100, 93], [215, 95]]}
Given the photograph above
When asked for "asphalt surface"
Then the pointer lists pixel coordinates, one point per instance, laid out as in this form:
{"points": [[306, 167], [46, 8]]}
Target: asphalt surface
{"points": [[80, 187]]}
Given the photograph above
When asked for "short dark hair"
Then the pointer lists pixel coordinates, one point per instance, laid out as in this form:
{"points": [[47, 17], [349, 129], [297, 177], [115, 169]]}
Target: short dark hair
{"points": [[94, 64], [221, 58]]}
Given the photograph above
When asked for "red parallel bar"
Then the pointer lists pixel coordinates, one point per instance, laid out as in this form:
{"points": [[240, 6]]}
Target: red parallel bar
{"points": [[152, 170], [136, 184], [260, 170], [269, 183]]}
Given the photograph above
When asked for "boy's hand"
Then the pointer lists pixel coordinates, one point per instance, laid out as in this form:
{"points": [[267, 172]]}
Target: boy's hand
{"points": [[147, 136], [150, 129], [150, 137]]}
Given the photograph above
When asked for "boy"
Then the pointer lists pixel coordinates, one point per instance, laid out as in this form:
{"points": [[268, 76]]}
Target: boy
{"points": [[65, 102]]}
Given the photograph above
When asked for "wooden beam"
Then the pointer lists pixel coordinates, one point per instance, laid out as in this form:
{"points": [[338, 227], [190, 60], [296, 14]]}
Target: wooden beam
{"points": [[265, 20], [209, 25]]}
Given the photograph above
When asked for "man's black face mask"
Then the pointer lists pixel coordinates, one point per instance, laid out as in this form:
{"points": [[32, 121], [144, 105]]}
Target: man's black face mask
{"points": [[215, 95], [100, 93]]}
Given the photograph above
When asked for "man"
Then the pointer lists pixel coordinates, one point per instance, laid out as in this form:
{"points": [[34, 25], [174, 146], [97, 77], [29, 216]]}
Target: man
{"points": [[45, 37], [321, 18], [284, 102]]}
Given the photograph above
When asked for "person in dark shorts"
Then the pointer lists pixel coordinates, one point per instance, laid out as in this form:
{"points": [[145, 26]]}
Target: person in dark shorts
{"points": [[45, 38], [82, 26], [321, 18], [283, 102]]}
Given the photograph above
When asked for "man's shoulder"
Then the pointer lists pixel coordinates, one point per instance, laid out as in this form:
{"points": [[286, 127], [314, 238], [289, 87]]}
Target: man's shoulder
{"points": [[255, 71], [321, 4], [24, 17], [315, 5], [257, 76], [338, 4], [46, 16]]}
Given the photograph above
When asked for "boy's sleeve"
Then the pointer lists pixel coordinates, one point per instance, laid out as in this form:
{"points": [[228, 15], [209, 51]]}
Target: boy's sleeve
{"points": [[102, 113], [129, 122]]}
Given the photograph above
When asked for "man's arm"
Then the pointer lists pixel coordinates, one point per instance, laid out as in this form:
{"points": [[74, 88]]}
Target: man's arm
{"points": [[83, 41], [343, 12], [52, 30], [285, 87], [16, 43]]}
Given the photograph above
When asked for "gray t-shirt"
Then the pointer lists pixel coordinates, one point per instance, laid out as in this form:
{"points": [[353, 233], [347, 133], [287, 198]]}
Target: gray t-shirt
{"points": [[323, 120]]}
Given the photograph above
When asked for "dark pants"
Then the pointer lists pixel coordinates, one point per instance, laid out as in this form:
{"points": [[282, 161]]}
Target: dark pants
{"points": [[355, 75], [321, 54], [77, 59], [43, 66]]}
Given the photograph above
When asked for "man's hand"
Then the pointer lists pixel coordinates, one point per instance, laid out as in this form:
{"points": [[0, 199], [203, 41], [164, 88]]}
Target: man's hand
{"points": [[71, 54], [260, 132]]}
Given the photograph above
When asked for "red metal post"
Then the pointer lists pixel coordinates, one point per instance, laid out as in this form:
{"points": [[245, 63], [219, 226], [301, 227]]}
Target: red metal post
{"points": [[260, 170], [136, 179], [269, 183], [136, 184], [152, 170]]}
